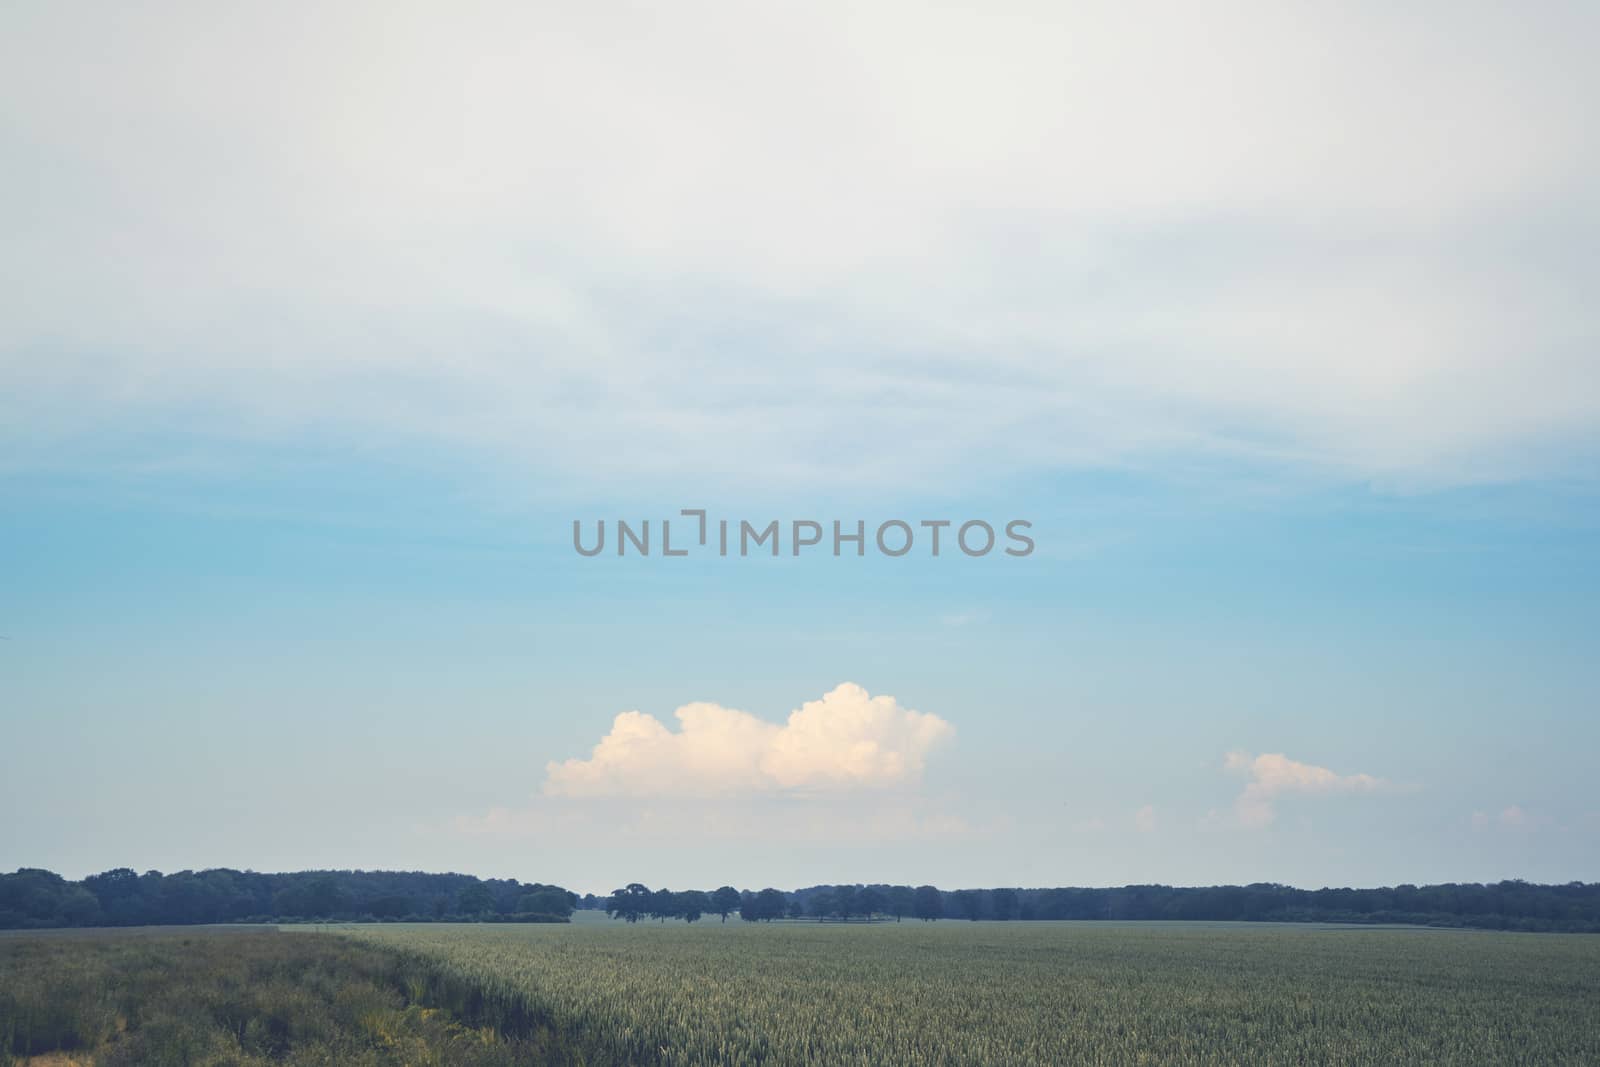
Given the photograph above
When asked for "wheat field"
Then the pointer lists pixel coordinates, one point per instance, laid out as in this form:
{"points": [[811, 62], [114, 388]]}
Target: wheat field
{"points": [[951, 993]]}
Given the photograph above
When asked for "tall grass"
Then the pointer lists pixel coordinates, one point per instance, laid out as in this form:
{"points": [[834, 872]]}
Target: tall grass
{"points": [[230, 997]]}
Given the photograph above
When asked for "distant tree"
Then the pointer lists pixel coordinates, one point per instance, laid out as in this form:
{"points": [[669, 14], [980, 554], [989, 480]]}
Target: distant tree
{"points": [[629, 903], [34, 898], [546, 900], [822, 903], [123, 898], [118, 893], [969, 903], [691, 904], [872, 902], [663, 905], [389, 907], [846, 901], [78, 907], [725, 901], [476, 899], [771, 904], [797, 910], [115, 884], [318, 898]]}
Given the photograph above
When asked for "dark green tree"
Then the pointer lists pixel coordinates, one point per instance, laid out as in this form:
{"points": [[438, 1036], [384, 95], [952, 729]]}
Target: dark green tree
{"points": [[691, 904], [475, 899], [629, 903], [546, 900], [872, 902], [725, 901], [389, 907], [78, 907], [969, 903], [771, 904], [663, 905]]}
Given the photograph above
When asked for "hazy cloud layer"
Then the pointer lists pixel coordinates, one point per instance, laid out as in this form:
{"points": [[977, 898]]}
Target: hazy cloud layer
{"points": [[815, 242], [1274, 775], [846, 740]]}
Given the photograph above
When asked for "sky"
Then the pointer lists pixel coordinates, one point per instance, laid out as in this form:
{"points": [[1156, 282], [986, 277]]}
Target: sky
{"points": [[321, 327]]}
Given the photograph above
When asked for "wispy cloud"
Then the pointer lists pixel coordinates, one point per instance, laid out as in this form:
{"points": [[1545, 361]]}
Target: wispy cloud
{"points": [[616, 258], [1514, 819], [1274, 775]]}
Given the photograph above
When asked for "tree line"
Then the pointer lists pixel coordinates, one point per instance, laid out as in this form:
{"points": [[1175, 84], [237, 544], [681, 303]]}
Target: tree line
{"points": [[31, 898], [637, 901], [1507, 905]]}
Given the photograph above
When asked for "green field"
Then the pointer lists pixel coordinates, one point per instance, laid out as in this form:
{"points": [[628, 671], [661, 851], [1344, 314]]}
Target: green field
{"points": [[599, 992], [1031, 993]]}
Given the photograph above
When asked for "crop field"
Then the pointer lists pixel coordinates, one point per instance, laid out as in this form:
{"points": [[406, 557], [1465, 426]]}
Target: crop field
{"points": [[1021, 993]]}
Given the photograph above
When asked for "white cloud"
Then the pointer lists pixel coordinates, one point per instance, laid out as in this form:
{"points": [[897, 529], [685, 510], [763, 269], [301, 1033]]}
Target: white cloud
{"points": [[881, 240], [1273, 775], [1144, 820], [848, 739]]}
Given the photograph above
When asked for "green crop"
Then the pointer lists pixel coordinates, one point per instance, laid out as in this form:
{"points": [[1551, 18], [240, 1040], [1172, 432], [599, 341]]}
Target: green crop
{"points": [[1024, 993]]}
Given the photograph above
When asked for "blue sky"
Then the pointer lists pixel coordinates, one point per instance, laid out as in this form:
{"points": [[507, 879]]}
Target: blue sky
{"points": [[1274, 326], [358, 668]]}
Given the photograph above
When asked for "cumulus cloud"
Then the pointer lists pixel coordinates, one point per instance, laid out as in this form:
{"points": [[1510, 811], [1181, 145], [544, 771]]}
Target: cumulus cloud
{"points": [[847, 739], [1273, 775]]}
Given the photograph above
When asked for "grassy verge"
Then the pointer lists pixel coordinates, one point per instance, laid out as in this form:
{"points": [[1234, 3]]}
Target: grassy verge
{"points": [[247, 997]]}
